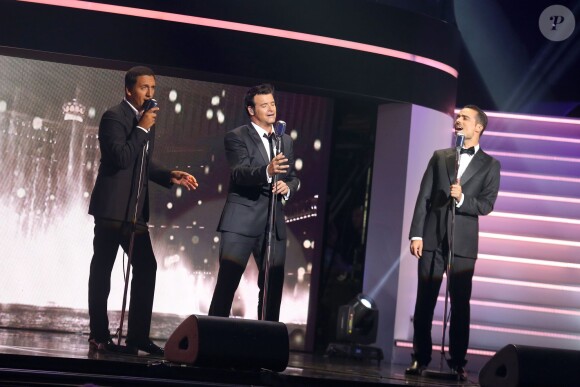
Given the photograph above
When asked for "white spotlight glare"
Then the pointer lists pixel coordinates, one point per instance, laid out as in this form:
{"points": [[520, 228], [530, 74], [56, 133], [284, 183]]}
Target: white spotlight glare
{"points": [[36, 123], [301, 271], [298, 164], [220, 116], [366, 302], [173, 95], [317, 145]]}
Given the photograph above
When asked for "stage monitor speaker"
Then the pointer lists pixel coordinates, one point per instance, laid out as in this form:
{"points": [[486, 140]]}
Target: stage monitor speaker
{"points": [[229, 342], [520, 365]]}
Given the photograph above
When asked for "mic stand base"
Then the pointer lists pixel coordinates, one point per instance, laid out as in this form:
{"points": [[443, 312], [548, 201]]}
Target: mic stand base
{"points": [[354, 351], [114, 348], [441, 375], [121, 349]]}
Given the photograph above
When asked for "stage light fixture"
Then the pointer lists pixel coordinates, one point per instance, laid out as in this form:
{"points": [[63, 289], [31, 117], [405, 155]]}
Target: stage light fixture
{"points": [[358, 321], [356, 327]]}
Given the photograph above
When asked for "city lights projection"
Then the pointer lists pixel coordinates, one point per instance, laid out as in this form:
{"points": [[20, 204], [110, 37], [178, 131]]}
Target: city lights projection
{"points": [[49, 117]]}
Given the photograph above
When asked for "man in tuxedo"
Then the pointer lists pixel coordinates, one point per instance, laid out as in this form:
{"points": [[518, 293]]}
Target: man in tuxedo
{"points": [[244, 220], [470, 194], [120, 206]]}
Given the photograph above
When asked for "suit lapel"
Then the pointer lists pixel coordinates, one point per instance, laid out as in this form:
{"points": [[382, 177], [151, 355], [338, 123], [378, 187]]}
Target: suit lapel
{"points": [[474, 166], [450, 162], [132, 122], [130, 117], [258, 142]]}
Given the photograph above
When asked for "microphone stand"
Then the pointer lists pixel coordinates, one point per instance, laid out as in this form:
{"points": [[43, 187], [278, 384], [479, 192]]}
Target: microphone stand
{"points": [[269, 245], [131, 244], [447, 313]]}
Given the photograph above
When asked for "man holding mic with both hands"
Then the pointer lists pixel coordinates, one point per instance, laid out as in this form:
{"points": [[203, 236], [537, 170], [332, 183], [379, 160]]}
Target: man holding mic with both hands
{"points": [[243, 224]]}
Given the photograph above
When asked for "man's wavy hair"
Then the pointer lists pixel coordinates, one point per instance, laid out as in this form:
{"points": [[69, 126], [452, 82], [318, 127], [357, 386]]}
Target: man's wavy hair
{"points": [[263, 89]]}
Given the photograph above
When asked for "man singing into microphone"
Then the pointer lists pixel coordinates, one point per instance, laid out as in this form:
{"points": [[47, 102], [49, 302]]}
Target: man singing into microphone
{"points": [[120, 206], [244, 220], [473, 193]]}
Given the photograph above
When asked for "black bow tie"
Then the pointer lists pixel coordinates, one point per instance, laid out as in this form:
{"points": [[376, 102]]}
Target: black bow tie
{"points": [[469, 151]]}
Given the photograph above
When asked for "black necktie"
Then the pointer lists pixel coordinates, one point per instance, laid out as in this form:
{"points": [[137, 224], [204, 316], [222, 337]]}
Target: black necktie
{"points": [[469, 151], [270, 139]]}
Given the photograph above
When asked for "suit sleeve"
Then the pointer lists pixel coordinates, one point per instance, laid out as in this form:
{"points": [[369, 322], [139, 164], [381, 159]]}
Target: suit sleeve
{"points": [[238, 156], [422, 204], [290, 178], [118, 149], [159, 174]]}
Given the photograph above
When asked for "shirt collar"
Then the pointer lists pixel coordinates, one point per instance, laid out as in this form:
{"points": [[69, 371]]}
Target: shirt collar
{"points": [[260, 130], [132, 107]]}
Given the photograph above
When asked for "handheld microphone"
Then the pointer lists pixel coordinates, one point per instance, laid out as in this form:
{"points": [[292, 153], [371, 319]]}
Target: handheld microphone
{"points": [[149, 104], [279, 128], [459, 140]]}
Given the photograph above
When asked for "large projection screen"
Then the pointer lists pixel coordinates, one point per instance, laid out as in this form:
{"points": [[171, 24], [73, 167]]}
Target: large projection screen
{"points": [[49, 117]]}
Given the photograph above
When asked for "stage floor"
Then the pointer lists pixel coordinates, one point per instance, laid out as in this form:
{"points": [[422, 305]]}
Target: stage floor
{"points": [[31, 358]]}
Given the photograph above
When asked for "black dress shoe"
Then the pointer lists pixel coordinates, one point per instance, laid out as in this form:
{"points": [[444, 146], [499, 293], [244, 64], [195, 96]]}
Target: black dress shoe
{"points": [[104, 345], [415, 368], [460, 372], [145, 346]]}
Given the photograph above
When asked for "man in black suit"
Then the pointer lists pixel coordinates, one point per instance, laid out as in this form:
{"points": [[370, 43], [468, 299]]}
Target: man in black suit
{"points": [[244, 220], [473, 193], [120, 206]]}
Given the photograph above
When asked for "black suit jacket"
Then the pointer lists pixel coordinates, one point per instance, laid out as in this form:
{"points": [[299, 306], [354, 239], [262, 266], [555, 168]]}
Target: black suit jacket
{"points": [[246, 208], [124, 152], [479, 184]]}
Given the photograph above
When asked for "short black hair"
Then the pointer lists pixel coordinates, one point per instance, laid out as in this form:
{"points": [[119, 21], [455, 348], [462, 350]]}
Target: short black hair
{"points": [[262, 89], [481, 117], [134, 72]]}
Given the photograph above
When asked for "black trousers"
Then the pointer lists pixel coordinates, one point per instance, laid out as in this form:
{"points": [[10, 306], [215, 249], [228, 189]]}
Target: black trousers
{"points": [[235, 250], [109, 235], [431, 267]]}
